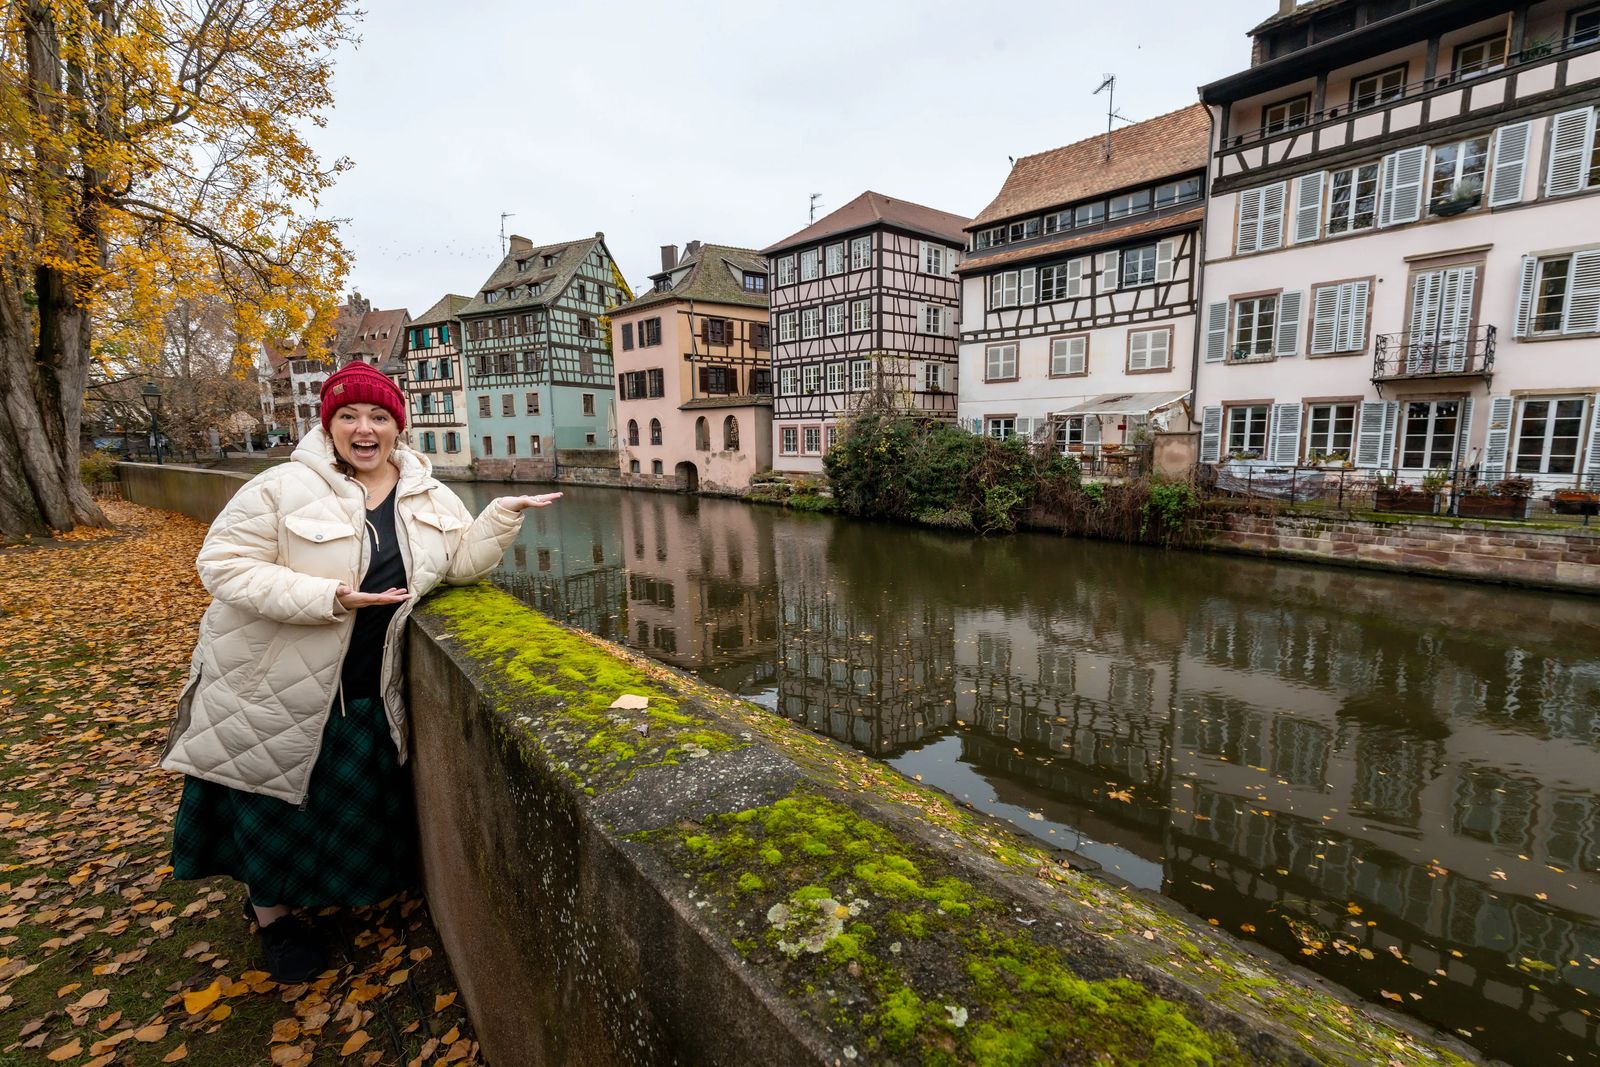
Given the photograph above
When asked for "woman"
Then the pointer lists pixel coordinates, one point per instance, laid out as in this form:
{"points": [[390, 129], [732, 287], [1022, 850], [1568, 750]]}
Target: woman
{"points": [[292, 727]]}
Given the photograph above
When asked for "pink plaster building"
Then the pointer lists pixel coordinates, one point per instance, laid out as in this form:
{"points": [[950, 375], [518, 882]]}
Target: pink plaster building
{"points": [[1403, 242], [694, 373]]}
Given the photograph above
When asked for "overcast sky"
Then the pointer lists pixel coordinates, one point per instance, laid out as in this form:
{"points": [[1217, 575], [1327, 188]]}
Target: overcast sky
{"points": [[661, 123]]}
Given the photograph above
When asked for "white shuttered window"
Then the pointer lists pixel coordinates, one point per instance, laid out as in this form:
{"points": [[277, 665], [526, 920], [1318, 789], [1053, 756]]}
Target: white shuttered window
{"points": [[1260, 225], [1149, 350], [1339, 318], [1572, 165], [1069, 355], [1400, 194]]}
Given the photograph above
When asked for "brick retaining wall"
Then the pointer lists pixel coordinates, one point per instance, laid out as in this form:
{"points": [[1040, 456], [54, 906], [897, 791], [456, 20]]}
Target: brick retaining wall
{"points": [[1538, 556]]}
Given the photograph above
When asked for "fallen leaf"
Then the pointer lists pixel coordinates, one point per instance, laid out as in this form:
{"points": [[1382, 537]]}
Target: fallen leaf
{"points": [[355, 1043], [630, 702], [176, 1054], [153, 1032], [219, 1013], [66, 1052], [443, 1001], [199, 1000], [285, 1030]]}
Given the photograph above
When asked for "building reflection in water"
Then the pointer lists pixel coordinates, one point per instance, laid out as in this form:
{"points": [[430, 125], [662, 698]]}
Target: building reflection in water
{"points": [[1390, 780]]}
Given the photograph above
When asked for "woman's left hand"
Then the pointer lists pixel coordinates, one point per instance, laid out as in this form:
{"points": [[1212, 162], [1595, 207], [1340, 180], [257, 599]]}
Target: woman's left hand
{"points": [[519, 504]]}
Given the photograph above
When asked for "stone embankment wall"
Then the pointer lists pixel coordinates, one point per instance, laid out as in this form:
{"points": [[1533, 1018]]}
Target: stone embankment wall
{"points": [[697, 881], [1555, 557], [577, 466], [193, 491]]}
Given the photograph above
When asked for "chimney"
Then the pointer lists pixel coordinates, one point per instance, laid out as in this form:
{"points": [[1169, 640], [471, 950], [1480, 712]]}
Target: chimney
{"points": [[1286, 7], [669, 256], [691, 249], [520, 244]]}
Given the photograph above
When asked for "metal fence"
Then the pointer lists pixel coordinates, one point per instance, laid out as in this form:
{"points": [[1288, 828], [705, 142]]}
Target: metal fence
{"points": [[1460, 493]]}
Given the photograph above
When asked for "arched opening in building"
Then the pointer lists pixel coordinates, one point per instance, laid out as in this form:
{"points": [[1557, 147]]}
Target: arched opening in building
{"points": [[688, 478]]}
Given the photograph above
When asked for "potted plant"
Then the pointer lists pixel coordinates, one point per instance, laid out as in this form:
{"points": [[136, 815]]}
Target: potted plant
{"points": [[1394, 495], [1463, 196], [1575, 502], [1506, 499]]}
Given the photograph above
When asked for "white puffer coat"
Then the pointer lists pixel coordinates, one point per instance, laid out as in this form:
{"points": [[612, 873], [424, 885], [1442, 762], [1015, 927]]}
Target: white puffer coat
{"points": [[265, 672]]}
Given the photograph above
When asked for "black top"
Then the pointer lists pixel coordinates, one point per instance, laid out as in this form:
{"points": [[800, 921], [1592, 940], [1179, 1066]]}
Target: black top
{"points": [[362, 672]]}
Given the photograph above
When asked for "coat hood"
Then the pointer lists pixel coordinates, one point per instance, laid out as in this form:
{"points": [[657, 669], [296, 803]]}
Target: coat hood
{"points": [[315, 450]]}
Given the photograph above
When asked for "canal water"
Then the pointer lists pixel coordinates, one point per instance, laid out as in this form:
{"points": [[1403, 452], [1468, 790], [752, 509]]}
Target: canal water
{"points": [[1393, 781]]}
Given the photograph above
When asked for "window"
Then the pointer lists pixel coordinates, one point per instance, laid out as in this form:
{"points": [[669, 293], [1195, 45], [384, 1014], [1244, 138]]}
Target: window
{"points": [[588, 403], [452, 441], [1353, 200], [488, 445], [1378, 88], [536, 443], [511, 445], [833, 258], [633, 468], [1000, 363], [1574, 155], [585, 326], [655, 466], [1331, 430], [1149, 350], [583, 292], [1177, 193], [789, 440], [508, 405], [812, 436], [810, 378], [1064, 281], [1584, 27], [655, 432], [835, 377], [835, 317], [1429, 439], [1285, 115], [630, 386], [761, 381], [1069, 356], [786, 330], [1259, 227], [989, 238], [649, 332], [1003, 289], [755, 283], [717, 331], [1339, 318], [1479, 57], [933, 318], [860, 315], [1458, 169], [1023, 231], [702, 435], [491, 296], [1254, 321], [761, 337], [808, 265], [428, 442], [1139, 265], [483, 407], [718, 381], [1547, 438], [1130, 204], [1057, 221], [861, 253], [655, 382], [1069, 432], [1550, 294], [860, 375], [785, 270], [633, 432], [1247, 430], [627, 336], [531, 401], [1000, 427], [811, 323], [500, 328], [1089, 214], [730, 434], [932, 258]]}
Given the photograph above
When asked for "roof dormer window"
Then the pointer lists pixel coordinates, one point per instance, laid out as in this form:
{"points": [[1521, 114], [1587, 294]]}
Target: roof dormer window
{"points": [[522, 265], [491, 295], [550, 260]]}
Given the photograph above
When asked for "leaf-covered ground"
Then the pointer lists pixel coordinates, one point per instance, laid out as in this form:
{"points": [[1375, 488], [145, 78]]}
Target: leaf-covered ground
{"points": [[104, 958]]}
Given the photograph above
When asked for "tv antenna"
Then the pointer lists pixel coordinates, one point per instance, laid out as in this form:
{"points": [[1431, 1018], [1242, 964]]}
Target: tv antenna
{"points": [[1108, 85], [814, 198], [503, 216]]}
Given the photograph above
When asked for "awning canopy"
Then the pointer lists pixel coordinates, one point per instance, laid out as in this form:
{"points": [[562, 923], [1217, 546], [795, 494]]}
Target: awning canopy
{"points": [[1125, 404]]}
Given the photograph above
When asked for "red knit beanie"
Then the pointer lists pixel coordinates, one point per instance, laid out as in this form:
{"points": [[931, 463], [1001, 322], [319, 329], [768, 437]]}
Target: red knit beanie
{"points": [[362, 383]]}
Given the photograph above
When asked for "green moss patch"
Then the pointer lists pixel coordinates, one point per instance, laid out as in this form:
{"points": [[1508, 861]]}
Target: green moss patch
{"points": [[566, 684]]}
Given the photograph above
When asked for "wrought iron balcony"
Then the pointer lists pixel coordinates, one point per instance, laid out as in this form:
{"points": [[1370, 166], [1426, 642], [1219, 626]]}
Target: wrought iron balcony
{"points": [[1397, 357]]}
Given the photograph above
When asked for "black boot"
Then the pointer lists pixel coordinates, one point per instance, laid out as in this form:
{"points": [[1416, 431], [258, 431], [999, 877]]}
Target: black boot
{"points": [[293, 951]]}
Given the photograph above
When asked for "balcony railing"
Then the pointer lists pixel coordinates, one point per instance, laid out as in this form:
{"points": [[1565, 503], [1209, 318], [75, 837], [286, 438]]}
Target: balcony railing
{"points": [[1533, 52], [1397, 356]]}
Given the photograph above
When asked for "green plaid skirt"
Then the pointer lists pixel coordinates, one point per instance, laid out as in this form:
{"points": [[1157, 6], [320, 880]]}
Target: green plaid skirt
{"points": [[353, 843]]}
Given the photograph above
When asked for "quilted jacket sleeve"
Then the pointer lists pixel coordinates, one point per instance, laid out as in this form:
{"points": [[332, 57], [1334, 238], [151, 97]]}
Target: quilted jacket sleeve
{"points": [[238, 564], [483, 540]]}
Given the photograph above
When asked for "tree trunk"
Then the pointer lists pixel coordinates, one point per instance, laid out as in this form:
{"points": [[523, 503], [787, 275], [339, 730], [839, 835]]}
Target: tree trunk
{"points": [[41, 407]]}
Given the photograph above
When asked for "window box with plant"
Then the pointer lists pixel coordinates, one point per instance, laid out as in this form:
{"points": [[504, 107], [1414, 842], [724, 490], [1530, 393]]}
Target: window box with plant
{"points": [[1575, 502], [1396, 496], [1505, 499], [1329, 459], [1463, 196]]}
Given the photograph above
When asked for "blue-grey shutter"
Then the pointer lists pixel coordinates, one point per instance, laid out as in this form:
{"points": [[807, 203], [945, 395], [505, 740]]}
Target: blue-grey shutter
{"points": [[1497, 443], [1211, 434], [1285, 445], [1290, 305], [1217, 332]]}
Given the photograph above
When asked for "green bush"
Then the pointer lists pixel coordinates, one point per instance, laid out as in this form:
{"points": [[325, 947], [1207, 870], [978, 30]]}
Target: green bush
{"points": [[95, 468]]}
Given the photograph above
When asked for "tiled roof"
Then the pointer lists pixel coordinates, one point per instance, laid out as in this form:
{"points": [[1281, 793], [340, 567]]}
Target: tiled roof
{"points": [[1071, 242], [445, 310], [1309, 8], [744, 400], [553, 279], [870, 209], [1175, 143], [716, 275], [369, 338]]}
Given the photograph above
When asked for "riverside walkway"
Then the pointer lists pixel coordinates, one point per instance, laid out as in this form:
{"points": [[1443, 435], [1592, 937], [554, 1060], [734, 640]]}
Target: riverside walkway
{"points": [[103, 957]]}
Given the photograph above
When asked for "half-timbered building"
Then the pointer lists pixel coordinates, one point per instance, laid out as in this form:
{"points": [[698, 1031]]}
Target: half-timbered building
{"points": [[694, 373], [1078, 295], [864, 301], [1403, 242], [536, 357], [437, 422]]}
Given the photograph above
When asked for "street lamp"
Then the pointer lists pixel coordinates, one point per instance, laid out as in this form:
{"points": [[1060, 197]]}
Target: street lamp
{"points": [[152, 402]]}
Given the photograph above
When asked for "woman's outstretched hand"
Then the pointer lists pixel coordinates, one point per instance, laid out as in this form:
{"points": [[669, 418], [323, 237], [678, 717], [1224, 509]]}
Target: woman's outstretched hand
{"points": [[522, 503], [351, 599]]}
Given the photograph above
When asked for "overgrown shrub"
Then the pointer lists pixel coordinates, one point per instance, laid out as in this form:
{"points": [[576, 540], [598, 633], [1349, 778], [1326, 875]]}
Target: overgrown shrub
{"points": [[95, 468]]}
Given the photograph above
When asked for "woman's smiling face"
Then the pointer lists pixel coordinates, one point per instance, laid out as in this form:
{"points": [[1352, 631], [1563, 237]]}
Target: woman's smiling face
{"points": [[364, 435]]}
